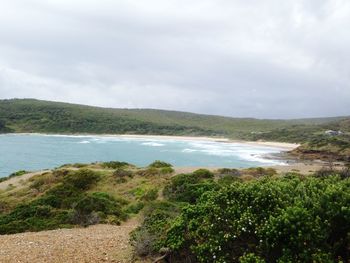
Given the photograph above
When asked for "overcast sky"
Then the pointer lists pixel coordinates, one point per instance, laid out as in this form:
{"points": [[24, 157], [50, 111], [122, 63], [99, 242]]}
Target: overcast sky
{"points": [[243, 58]]}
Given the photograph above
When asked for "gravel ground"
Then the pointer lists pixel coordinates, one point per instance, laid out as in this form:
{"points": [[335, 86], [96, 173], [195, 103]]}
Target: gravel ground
{"points": [[99, 243]]}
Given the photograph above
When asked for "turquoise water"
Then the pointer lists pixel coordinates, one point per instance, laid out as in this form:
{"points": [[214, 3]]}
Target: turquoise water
{"points": [[36, 152]]}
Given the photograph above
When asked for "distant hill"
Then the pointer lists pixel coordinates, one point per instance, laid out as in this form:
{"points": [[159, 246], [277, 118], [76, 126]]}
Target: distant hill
{"points": [[30, 115]]}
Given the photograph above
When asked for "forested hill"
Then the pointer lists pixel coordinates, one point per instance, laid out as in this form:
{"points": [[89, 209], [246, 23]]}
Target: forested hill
{"points": [[29, 115]]}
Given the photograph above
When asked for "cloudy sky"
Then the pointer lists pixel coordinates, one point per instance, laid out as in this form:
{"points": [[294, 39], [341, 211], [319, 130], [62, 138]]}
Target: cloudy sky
{"points": [[243, 58]]}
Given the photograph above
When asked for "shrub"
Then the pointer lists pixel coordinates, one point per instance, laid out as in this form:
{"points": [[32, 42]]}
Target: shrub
{"points": [[259, 171], [228, 179], [251, 258], [33, 217], [61, 196], [134, 208], [188, 187], [287, 219], [325, 172], [114, 164], [150, 195], [166, 170], [120, 172], [60, 173], [148, 172], [138, 192], [228, 171], [82, 179], [18, 173], [149, 238], [203, 174], [159, 164], [92, 208]]}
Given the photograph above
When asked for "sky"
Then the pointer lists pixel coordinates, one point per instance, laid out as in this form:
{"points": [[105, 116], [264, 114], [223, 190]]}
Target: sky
{"points": [[241, 58]]}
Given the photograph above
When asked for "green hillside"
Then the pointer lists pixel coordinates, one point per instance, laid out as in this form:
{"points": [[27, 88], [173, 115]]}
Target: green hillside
{"points": [[29, 115]]}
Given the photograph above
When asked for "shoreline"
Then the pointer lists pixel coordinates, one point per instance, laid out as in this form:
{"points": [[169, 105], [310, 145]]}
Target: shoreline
{"points": [[282, 145]]}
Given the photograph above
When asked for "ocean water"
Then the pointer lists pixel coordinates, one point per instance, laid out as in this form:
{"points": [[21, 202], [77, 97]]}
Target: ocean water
{"points": [[36, 152]]}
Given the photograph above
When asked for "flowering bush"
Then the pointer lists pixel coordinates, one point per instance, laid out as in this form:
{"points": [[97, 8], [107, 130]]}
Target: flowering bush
{"points": [[289, 219]]}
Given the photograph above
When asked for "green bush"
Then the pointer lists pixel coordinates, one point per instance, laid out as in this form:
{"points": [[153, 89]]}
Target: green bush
{"points": [[33, 217], [82, 179], [287, 219], [150, 195], [95, 207], [121, 173], [148, 238], [18, 173], [228, 179], [166, 170], [159, 164], [203, 174], [189, 187], [251, 258], [228, 171], [114, 164], [134, 208]]}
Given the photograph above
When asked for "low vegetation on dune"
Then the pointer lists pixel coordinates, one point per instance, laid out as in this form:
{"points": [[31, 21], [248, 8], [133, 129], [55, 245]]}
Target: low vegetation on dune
{"points": [[226, 215], [79, 194]]}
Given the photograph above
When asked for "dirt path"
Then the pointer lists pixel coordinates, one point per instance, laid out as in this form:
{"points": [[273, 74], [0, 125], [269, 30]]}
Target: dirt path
{"points": [[99, 243]]}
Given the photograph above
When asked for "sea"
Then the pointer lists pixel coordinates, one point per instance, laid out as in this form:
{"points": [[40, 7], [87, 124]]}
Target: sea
{"points": [[33, 152]]}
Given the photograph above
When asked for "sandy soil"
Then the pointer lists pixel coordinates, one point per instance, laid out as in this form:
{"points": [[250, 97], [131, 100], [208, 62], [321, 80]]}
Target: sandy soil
{"points": [[303, 168], [17, 180], [307, 167], [98, 243]]}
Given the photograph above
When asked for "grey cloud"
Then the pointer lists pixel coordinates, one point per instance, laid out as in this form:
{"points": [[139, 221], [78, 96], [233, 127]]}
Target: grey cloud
{"points": [[267, 59]]}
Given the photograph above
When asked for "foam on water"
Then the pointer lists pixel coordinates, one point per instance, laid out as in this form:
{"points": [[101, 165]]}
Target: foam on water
{"points": [[240, 151], [154, 144], [84, 142]]}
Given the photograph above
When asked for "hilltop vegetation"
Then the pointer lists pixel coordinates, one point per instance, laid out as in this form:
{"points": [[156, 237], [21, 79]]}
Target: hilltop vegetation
{"points": [[29, 115], [228, 215]]}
